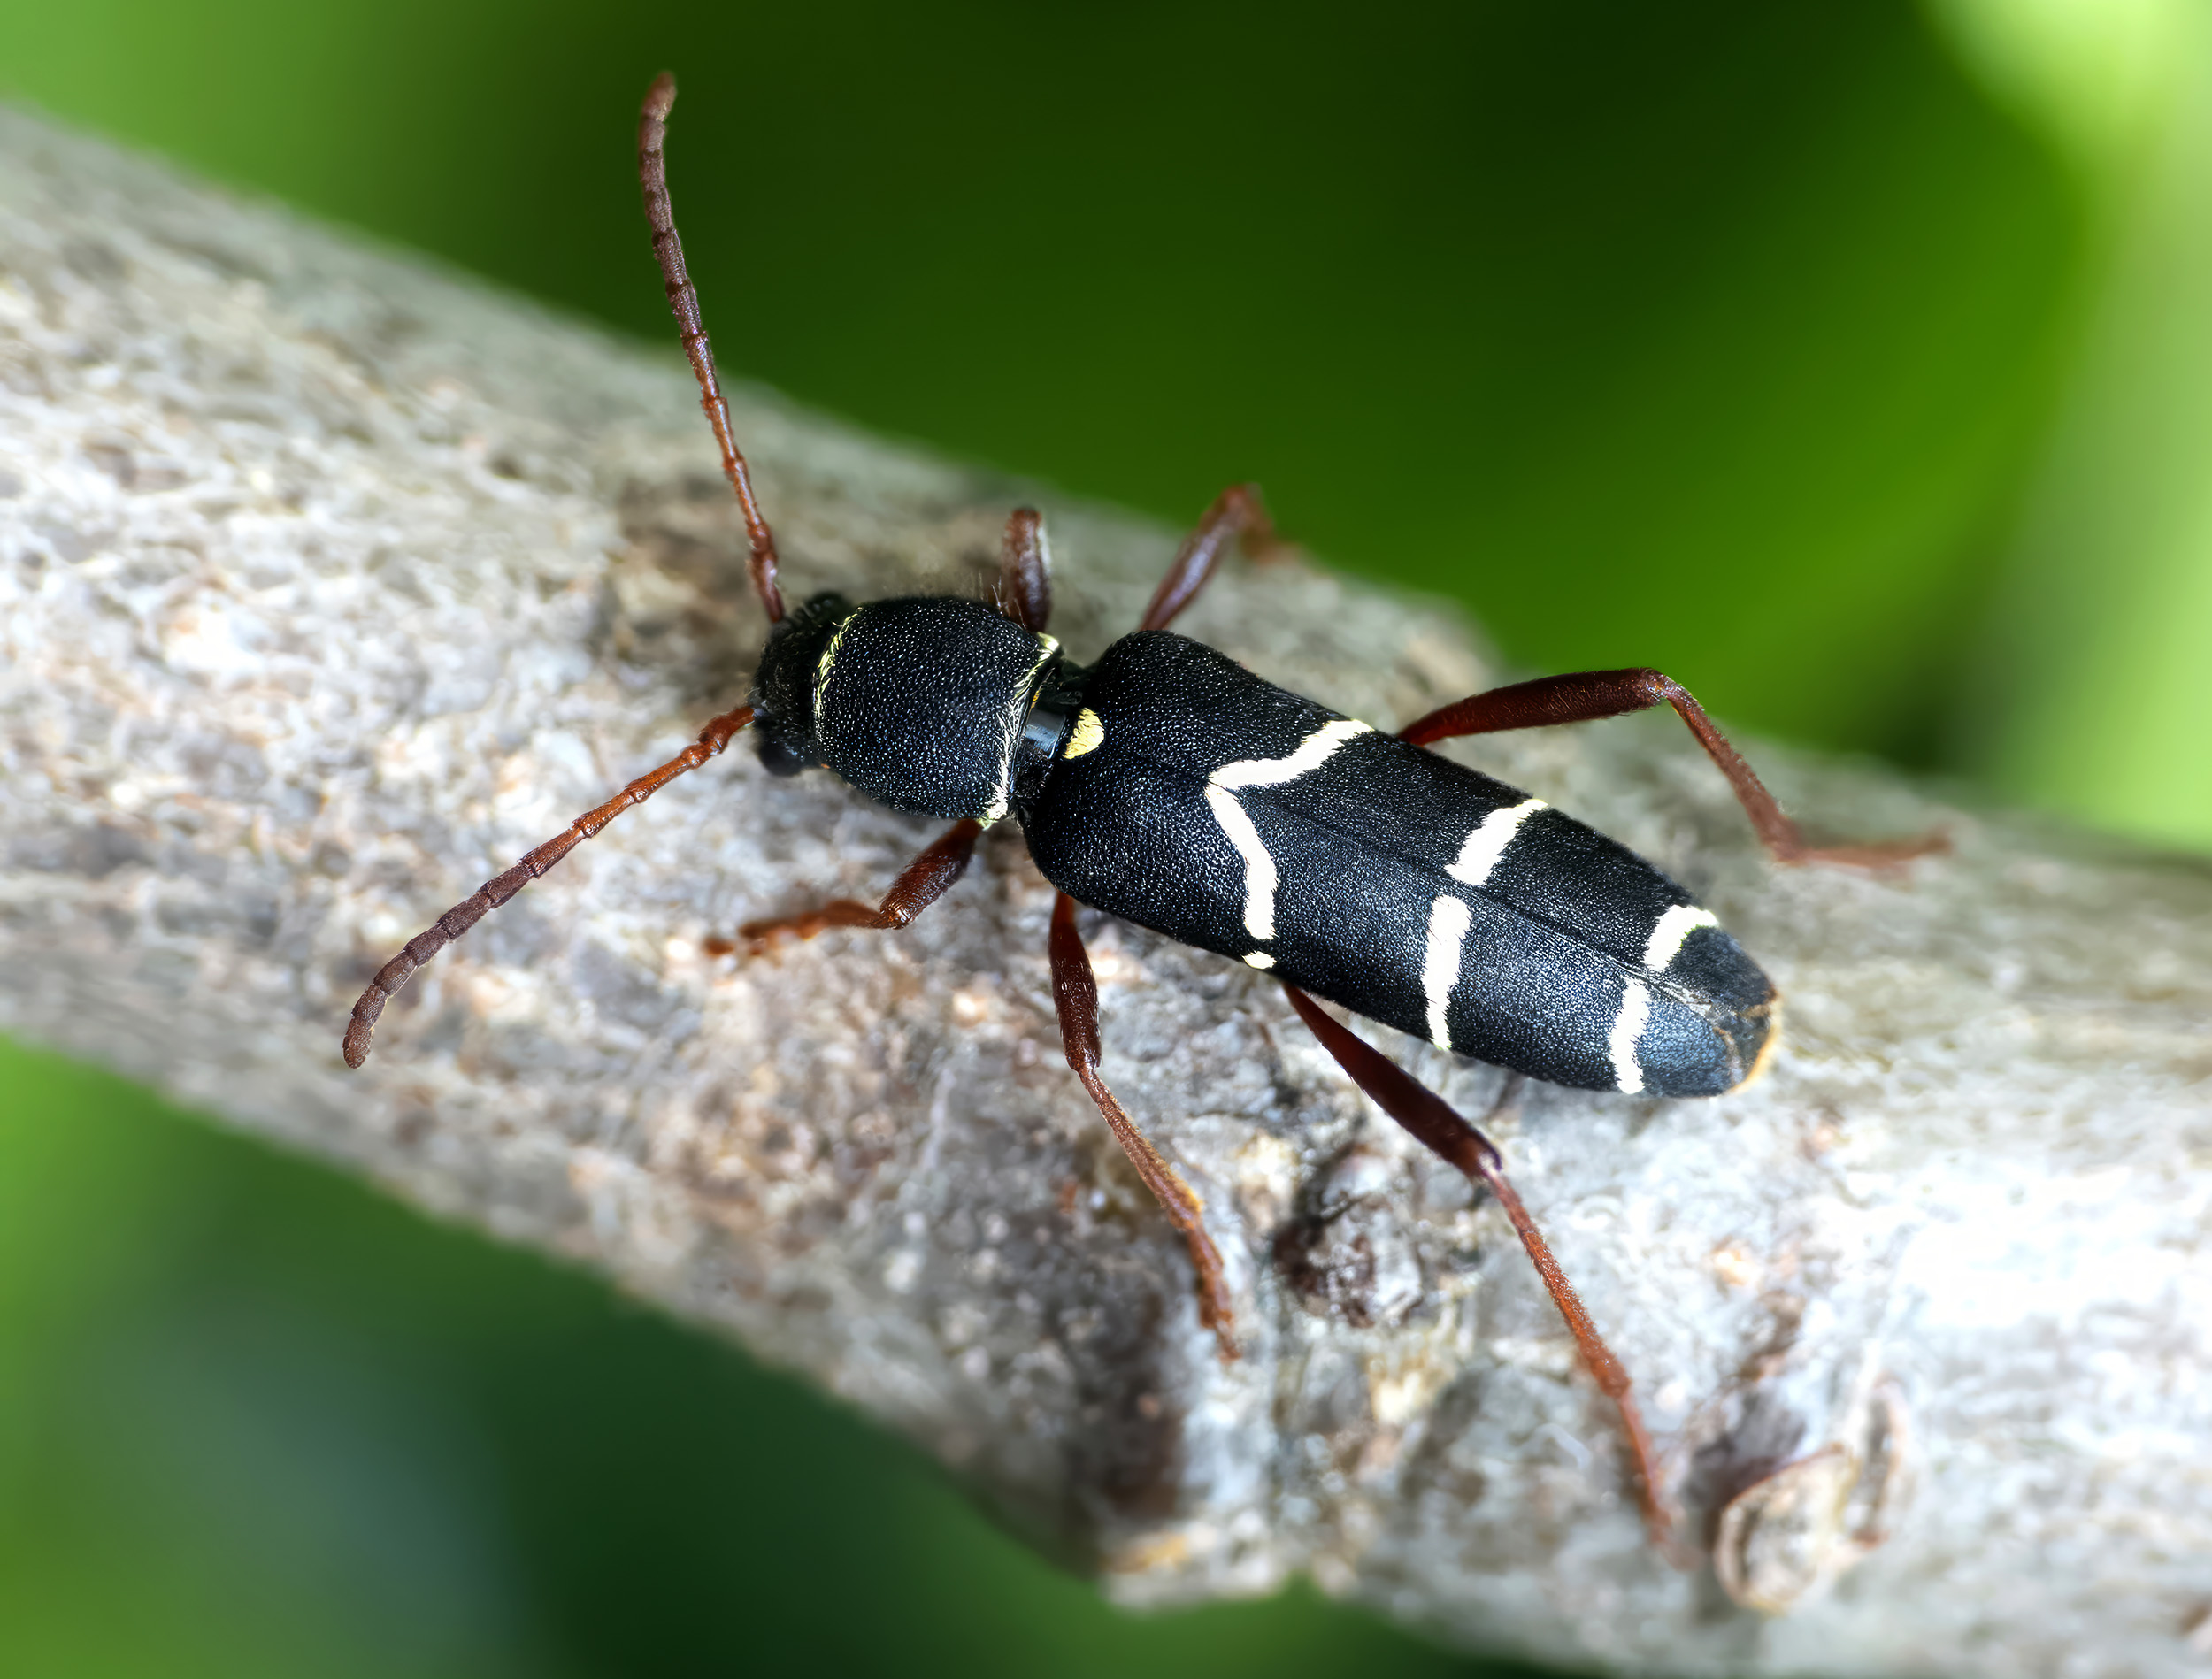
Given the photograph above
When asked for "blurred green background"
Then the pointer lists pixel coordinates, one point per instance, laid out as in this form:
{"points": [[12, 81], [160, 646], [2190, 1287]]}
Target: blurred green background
{"points": [[1851, 361]]}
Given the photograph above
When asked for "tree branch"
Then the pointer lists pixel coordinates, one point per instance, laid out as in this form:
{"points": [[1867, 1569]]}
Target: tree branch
{"points": [[332, 584]]}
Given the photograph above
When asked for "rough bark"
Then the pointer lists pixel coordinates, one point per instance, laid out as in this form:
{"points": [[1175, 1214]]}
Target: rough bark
{"points": [[333, 583]]}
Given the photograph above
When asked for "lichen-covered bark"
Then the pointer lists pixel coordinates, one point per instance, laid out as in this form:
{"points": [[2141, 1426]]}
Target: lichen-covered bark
{"points": [[331, 584]]}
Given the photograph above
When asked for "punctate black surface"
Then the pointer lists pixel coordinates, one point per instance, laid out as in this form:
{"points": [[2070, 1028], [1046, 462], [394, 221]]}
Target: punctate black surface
{"points": [[1404, 886], [920, 703]]}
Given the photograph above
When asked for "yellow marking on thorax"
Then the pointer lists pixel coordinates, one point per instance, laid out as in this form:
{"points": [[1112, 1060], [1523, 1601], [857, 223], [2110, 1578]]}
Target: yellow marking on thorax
{"points": [[1090, 731]]}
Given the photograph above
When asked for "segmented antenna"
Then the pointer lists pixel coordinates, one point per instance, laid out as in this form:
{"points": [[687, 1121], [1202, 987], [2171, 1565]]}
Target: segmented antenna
{"points": [[496, 891], [683, 302]]}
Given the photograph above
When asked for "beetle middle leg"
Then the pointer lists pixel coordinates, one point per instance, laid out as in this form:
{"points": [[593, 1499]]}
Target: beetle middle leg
{"points": [[926, 880], [1075, 995], [1439, 1127], [1237, 512], [1589, 696]]}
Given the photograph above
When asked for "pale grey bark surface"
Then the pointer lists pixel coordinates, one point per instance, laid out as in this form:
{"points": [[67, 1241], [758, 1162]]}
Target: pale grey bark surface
{"points": [[331, 584]]}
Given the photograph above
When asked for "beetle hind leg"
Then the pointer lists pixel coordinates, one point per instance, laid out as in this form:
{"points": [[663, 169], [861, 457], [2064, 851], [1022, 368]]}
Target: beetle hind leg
{"points": [[1439, 1127], [1589, 696], [1075, 994], [1237, 514]]}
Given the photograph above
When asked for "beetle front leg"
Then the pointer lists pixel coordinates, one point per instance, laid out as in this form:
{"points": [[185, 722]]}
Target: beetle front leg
{"points": [[1589, 696], [926, 880], [1024, 590], [1439, 1127], [1075, 995]]}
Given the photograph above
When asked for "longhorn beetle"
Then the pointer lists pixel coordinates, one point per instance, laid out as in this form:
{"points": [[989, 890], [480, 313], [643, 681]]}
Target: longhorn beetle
{"points": [[1168, 785]]}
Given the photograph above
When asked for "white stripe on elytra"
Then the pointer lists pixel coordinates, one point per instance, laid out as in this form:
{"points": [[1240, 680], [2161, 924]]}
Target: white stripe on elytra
{"points": [[1487, 843], [1313, 751], [1673, 928], [1628, 1027], [1449, 921], [1260, 878]]}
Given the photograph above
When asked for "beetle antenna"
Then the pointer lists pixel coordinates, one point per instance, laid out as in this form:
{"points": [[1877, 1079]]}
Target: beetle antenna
{"points": [[496, 891], [683, 301]]}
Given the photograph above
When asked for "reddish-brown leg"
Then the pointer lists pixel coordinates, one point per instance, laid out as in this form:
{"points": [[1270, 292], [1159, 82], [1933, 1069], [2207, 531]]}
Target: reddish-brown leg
{"points": [[926, 880], [496, 891], [1024, 570], [1592, 694], [1236, 513], [1439, 1127], [1075, 993], [683, 299]]}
